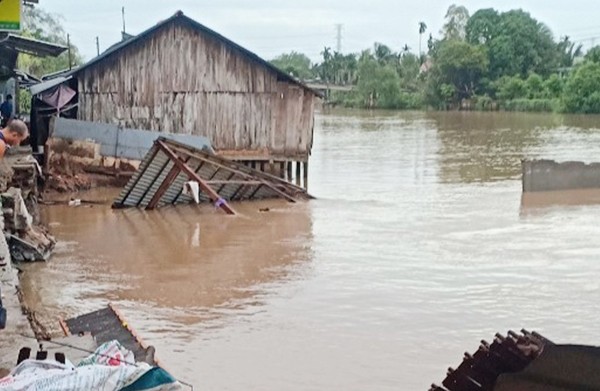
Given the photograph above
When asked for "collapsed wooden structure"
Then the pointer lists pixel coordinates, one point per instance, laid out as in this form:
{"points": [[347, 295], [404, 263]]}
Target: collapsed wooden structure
{"points": [[167, 167]]}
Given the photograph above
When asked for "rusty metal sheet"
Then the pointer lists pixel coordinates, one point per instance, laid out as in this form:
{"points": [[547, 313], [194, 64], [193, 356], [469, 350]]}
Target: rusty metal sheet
{"points": [[505, 355]]}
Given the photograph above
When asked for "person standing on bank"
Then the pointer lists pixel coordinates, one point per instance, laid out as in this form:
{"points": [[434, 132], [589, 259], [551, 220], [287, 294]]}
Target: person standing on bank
{"points": [[12, 135], [6, 110]]}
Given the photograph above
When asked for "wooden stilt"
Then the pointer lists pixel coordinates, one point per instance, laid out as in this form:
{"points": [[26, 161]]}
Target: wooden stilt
{"points": [[306, 175], [282, 170], [289, 170], [262, 166], [298, 177]]}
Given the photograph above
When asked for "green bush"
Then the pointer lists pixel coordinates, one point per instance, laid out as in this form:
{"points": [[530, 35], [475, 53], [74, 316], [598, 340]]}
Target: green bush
{"points": [[532, 105], [483, 103], [582, 91]]}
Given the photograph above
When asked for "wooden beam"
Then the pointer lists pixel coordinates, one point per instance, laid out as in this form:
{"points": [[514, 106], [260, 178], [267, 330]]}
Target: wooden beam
{"points": [[245, 175], [213, 195], [164, 186], [232, 166], [234, 182]]}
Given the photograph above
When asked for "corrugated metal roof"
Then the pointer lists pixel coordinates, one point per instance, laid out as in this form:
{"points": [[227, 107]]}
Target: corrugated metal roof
{"points": [[32, 46], [180, 17], [46, 85], [107, 325], [168, 165]]}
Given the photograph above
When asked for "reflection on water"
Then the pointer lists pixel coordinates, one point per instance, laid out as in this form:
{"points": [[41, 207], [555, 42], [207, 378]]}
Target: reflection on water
{"points": [[418, 246], [191, 258], [539, 202]]}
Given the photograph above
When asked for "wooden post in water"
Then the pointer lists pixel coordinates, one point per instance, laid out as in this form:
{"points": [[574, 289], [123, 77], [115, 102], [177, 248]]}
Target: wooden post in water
{"points": [[306, 175], [298, 177], [282, 170]]}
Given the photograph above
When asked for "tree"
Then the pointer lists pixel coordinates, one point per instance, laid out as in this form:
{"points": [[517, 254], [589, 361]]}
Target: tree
{"points": [[482, 26], [325, 69], [408, 70], [460, 65], [422, 30], [515, 42], [384, 54], [457, 18], [535, 86], [41, 25], [510, 87], [378, 85], [430, 44], [294, 63], [582, 90], [593, 54], [553, 86], [568, 51], [405, 49]]}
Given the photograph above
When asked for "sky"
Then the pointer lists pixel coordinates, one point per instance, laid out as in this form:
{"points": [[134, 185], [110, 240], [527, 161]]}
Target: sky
{"points": [[272, 27]]}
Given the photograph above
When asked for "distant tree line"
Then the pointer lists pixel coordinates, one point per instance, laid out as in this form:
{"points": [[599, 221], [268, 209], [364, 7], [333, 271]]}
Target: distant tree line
{"points": [[489, 60]]}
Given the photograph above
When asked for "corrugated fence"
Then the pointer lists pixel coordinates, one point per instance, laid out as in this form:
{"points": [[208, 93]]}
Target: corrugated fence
{"points": [[120, 142]]}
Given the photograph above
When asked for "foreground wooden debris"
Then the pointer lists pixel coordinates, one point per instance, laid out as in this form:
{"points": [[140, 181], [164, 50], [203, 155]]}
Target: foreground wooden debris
{"points": [[106, 325]]}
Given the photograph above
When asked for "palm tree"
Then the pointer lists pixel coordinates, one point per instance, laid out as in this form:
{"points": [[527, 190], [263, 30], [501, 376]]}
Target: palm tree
{"points": [[422, 30], [383, 53], [405, 49]]}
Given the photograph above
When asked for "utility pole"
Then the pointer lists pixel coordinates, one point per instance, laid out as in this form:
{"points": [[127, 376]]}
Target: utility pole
{"points": [[338, 28], [69, 49], [97, 46], [123, 16]]}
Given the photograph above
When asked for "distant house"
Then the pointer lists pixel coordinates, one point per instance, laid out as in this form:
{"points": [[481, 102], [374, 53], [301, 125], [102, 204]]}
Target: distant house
{"points": [[182, 77]]}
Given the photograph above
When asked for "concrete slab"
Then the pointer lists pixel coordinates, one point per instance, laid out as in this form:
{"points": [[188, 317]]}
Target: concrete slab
{"points": [[548, 175]]}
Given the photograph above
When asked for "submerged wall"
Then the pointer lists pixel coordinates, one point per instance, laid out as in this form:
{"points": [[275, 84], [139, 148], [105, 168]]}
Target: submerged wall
{"points": [[548, 175]]}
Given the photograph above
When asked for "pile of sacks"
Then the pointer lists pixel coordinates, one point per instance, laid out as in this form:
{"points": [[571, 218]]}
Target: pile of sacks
{"points": [[110, 368]]}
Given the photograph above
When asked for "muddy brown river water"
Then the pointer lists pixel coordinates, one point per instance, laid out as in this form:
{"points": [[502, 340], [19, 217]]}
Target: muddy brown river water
{"points": [[418, 246]]}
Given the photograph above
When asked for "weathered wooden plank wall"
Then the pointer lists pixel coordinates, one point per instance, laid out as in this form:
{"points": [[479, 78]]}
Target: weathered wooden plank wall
{"points": [[181, 80]]}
